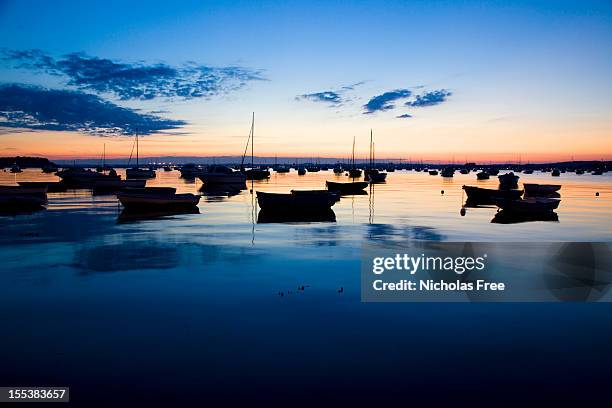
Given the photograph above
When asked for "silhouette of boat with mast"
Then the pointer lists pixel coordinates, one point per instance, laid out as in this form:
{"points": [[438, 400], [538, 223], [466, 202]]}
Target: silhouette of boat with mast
{"points": [[372, 174], [136, 172], [353, 172]]}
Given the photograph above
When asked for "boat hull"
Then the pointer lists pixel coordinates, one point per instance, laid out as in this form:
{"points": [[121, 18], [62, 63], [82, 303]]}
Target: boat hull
{"points": [[296, 201], [346, 188], [212, 178], [145, 201]]}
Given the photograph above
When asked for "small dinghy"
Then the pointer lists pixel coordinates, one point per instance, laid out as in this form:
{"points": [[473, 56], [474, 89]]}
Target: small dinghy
{"points": [[529, 206], [448, 172], [483, 175], [433, 172], [544, 190], [489, 195], [297, 200], [346, 188], [156, 198], [508, 181], [374, 176]]}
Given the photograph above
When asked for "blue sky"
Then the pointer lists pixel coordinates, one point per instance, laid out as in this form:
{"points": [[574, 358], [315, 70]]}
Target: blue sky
{"points": [[499, 73]]}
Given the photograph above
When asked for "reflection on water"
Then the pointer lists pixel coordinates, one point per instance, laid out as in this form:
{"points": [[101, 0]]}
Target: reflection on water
{"points": [[199, 298], [266, 217], [503, 217]]}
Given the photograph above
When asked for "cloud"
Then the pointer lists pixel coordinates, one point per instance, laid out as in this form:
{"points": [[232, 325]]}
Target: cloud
{"points": [[135, 80], [404, 116], [430, 98], [383, 102], [330, 97], [333, 98], [30, 107]]}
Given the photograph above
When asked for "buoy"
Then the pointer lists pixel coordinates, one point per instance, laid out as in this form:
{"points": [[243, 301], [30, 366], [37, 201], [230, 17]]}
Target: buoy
{"points": [[341, 289], [442, 192], [462, 212], [597, 194]]}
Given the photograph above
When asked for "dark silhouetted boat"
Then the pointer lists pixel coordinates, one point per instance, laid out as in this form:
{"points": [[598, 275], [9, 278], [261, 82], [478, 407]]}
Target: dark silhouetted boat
{"points": [[149, 199], [489, 195], [541, 189], [15, 168], [222, 175], [508, 181], [136, 172], [372, 174], [527, 171], [50, 168], [301, 171], [76, 177], [346, 188], [448, 172], [483, 175], [190, 171], [433, 172], [555, 173], [297, 201], [167, 168]]}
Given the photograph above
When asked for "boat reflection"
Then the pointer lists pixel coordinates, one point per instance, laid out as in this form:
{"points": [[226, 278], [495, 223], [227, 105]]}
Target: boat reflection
{"points": [[266, 217], [128, 216], [503, 217]]}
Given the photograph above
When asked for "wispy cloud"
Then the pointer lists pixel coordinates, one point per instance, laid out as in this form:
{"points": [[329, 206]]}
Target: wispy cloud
{"points": [[30, 107], [384, 101], [404, 116], [430, 98], [333, 98], [135, 80], [330, 97]]}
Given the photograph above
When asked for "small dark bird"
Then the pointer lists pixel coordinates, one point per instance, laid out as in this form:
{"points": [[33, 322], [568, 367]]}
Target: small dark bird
{"points": [[341, 289]]}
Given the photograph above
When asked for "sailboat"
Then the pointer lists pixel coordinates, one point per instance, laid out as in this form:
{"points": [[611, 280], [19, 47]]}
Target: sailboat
{"points": [[373, 175], [253, 173], [354, 172], [137, 172], [104, 167]]}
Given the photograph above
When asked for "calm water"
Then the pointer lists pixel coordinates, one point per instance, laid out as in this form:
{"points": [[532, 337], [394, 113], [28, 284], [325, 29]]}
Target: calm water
{"points": [[190, 303]]}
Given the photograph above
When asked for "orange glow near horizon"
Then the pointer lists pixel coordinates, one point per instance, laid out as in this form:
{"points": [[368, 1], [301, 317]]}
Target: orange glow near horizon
{"points": [[389, 145]]}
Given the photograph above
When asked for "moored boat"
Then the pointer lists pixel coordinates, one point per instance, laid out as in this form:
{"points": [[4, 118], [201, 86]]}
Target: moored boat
{"points": [[508, 181], [346, 188], [147, 200], [483, 175], [448, 172], [433, 172], [222, 175], [489, 195], [532, 189]]}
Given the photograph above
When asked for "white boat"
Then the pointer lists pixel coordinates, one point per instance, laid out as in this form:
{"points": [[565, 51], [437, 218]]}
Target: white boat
{"points": [[222, 175]]}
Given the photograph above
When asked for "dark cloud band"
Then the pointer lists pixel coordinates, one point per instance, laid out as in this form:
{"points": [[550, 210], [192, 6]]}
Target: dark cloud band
{"points": [[384, 101], [29, 107]]}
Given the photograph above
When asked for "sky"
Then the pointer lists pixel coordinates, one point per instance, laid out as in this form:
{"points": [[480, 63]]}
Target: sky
{"points": [[434, 80]]}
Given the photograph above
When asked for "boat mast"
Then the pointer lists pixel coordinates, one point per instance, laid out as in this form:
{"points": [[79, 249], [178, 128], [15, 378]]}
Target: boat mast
{"points": [[137, 150], [371, 150], [104, 157], [353, 155], [252, 140]]}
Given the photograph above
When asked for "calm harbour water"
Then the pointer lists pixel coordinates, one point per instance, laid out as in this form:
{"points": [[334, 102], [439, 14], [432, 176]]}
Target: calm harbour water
{"points": [[190, 302]]}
